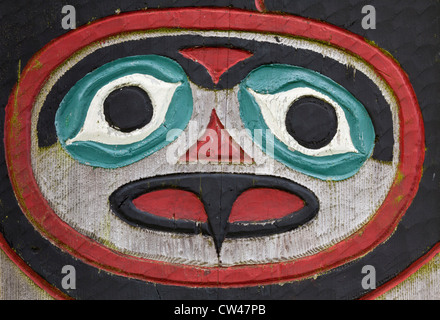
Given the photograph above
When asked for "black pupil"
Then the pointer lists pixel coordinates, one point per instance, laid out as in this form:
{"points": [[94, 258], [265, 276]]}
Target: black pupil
{"points": [[128, 108], [312, 122]]}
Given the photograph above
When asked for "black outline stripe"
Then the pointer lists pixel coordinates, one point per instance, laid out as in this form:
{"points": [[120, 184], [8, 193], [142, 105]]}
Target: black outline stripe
{"points": [[263, 53], [217, 192]]}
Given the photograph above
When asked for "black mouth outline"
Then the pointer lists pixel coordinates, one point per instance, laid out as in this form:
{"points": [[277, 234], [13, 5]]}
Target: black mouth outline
{"points": [[217, 192]]}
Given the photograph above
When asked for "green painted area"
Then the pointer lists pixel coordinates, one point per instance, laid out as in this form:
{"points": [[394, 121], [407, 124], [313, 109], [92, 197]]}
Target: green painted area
{"points": [[272, 79], [72, 112]]}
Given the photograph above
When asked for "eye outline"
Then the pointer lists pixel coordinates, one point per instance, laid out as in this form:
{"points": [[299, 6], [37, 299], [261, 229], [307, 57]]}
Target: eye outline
{"points": [[277, 78], [113, 135], [267, 102], [105, 155]]}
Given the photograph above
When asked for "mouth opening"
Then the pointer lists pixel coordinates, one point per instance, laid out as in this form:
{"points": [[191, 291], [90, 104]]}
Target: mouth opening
{"points": [[220, 205]]}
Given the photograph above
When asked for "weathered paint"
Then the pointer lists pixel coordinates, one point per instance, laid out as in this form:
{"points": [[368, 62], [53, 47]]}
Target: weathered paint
{"points": [[216, 60], [80, 123], [267, 93], [406, 176]]}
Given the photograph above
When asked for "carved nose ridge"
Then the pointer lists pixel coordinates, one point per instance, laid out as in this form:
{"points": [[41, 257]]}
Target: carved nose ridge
{"points": [[294, 205], [216, 145]]}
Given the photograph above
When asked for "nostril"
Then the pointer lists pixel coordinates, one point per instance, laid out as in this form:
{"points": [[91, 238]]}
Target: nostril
{"points": [[172, 204], [260, 204]]}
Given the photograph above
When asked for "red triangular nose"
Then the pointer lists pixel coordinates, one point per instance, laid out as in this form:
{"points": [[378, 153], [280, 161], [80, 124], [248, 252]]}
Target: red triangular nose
{"points": [[216, 60], [216, 145]]}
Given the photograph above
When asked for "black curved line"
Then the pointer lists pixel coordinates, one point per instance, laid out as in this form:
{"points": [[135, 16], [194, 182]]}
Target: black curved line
{"points": [[357, 84], [217, 192]]}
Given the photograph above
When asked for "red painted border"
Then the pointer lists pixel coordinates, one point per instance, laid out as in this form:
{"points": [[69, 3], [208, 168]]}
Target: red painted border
{"points": [[404, 274], [54, 292], [38, 211]]}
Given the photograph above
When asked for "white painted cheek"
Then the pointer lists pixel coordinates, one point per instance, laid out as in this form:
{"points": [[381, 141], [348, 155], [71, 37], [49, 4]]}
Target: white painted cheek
{"points": [[96, 128], [274, 108]]}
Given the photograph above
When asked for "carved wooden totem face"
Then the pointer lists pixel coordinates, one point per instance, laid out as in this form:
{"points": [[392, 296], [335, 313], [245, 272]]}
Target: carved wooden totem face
{"points": [[213, 156]]}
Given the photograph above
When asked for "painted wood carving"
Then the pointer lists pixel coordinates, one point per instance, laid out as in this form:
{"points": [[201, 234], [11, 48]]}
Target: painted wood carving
{"points": [[214, 152]]}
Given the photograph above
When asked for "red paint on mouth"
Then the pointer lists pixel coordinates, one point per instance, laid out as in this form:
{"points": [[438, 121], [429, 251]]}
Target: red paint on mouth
{"points": [[172, 204], [261, 204], [216, 60]]}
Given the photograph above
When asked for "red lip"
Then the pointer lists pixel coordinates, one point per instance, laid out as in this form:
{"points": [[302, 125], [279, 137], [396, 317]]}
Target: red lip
{"points": [[172, 204], [262, 204], [257, 204], [220, 205]]}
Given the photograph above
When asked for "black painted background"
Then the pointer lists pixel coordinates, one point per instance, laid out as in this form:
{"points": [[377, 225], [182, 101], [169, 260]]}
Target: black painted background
{"points": [[409, 30]]}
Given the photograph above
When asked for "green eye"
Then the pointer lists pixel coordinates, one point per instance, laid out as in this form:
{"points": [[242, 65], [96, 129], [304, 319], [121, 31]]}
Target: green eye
{"points": [[318, 127], [122, 111]]}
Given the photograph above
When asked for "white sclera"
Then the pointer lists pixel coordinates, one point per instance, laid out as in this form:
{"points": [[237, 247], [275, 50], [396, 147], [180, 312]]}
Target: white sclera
{"points": [[274, 108], [96, 128]]}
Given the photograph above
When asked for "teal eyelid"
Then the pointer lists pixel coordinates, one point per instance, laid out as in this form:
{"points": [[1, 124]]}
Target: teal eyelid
{"points": [[72, 112], [275, 78]]}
